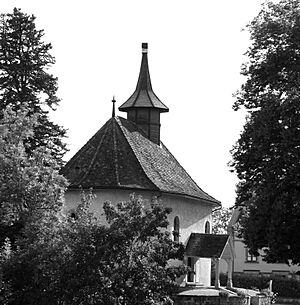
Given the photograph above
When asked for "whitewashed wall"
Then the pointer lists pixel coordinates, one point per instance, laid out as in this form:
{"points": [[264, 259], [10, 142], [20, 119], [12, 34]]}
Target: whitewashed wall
{"points": [[192, 214]]}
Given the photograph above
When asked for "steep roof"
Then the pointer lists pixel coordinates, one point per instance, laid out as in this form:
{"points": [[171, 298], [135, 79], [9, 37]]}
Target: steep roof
{"points": [[120, 156], [144, 96], [206, 245]]}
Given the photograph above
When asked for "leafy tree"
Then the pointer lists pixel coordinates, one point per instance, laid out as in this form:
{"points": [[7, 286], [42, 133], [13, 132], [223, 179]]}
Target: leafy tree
{"points": [[220, 219], [266, 158], [140, 249], [27, 183], [125, 262], [77, 260], [30, 203], [24, 61], [5, 289]]}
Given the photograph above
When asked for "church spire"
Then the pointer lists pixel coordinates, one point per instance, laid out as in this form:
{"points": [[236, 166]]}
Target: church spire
{"points": [[144, 81], [143, 107]]}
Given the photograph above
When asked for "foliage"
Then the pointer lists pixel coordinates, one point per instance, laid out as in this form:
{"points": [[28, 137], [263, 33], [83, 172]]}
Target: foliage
{"points": [[282, 287], [30, 196], [141, 247], [47, 257], [266, 157], [27, 183], [24, 61], [5, 289], [77, 260], [221, 219]]}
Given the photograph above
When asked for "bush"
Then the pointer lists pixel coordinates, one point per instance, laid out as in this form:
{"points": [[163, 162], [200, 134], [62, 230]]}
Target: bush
{"points": [[284, 287]]}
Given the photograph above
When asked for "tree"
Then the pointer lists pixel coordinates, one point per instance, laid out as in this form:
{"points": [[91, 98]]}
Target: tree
{"points": [[77, 260], [27, 183], [31, 192], [220, 217], [24, 61], [140, 249], [125, 262], [266, 158]]}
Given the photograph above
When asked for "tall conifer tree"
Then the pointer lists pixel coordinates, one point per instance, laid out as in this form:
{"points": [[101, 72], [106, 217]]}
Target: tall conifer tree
{"points": [[25, 80]]}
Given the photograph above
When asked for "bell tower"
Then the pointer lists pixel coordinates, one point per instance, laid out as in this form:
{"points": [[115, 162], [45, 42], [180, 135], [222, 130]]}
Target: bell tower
{"points": [[144, 107]]}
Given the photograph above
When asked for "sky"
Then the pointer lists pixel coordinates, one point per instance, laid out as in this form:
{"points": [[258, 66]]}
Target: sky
{"points": [[196, 49]]}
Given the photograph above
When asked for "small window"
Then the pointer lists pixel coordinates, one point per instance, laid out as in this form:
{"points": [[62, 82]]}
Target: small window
{"points": [[176, 229], [250, 258], [207, 227]]}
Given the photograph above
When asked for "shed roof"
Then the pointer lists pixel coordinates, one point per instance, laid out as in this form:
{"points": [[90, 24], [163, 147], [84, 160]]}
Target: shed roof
{"points": [[206, 245]]}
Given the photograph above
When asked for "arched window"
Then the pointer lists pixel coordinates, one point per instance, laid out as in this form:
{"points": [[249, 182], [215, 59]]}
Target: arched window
{"points": [[176, 229], [207, 227]]}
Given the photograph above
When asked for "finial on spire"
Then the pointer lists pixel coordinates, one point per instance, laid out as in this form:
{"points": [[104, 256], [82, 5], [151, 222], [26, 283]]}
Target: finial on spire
{"points": [[113, 110], [144, 47]]}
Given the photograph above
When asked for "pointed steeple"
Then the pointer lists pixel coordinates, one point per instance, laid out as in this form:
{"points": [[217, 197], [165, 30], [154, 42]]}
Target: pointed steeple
{"points": [[144, 107], [144, 81]]}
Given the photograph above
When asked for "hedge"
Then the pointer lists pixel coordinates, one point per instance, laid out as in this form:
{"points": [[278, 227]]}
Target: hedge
{"points": [[285, 287]]}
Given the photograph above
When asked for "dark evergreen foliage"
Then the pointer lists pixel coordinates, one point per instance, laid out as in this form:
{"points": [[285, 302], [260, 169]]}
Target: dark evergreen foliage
{"points": [[24, 78], [266, 158]]}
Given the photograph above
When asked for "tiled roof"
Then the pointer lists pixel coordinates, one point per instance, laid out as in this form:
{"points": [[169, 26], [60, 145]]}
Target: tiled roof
{"points": [[206, 245], [143, 96], [120, 156]]}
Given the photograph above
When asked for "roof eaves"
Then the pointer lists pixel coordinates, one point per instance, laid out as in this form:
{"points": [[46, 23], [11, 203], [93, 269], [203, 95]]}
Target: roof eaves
{"points": [[76, 187], [214, 202]]}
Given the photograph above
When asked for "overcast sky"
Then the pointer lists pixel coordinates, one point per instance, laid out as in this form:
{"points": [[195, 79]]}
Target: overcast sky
{"points": [[196, 50]]}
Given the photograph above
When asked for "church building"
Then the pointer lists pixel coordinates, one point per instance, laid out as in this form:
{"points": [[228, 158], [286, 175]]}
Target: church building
{"points": [[126, 155]]}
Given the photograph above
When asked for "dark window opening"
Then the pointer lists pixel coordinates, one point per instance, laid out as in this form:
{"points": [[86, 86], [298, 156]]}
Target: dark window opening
{"points": [[191, 273], [207, 227], [176, 229]]}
